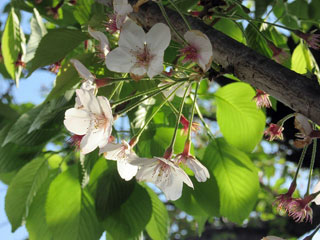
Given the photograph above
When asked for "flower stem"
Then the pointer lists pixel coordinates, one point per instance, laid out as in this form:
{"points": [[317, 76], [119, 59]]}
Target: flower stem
{"points": [[152, 92], [138, 134], [209, 132], [192, 113], [283, 120], [163, 11], [118, 86], [300, 162], [169, 150], [313, 157], [181, 14]]}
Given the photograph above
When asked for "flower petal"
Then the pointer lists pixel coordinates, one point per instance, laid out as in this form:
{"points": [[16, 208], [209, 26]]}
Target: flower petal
{"points": [[158, 38], [103, 40], [82, 70], [155, 66], [89, 101], [317, 189], [112, 151], [106, 108], [202, 43], [201, 172], [138, 71], [121, 7], [91, 141], [126, 170], [172, 188], [132, 36], [120, 60], [77, 121]]}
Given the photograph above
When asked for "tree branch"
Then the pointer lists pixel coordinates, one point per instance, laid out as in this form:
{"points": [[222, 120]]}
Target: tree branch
{"points": [[294, 90]]}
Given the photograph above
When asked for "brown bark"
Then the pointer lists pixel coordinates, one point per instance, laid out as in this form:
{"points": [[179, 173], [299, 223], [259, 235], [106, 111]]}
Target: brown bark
{"points": [[294, 90]]}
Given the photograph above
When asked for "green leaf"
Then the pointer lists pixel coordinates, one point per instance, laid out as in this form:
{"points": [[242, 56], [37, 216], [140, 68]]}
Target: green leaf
{"points": [[23, 189], [36, 221], [82, 11], [51, 110], [256, 41], [261, 7], [68, 77], [54, 46], [10, 151], [18, 133], [189, 204], [240, 122], [237, 179], [301, 59], [132, 217], [38, 30], [230, 28], [70, 210], [158, 226], [12, 44], [298, 8], [112, 192]]}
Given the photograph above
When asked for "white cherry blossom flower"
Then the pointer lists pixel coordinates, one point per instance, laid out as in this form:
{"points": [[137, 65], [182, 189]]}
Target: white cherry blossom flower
{"points": [[164, 174], [200, 172], [121, 152], [104, 48], [139, 53], [121, 10], [199, 49], [93, 119]]}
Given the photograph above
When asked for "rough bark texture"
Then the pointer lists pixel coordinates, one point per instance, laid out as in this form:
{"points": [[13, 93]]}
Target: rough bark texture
{"points": [[294, 90]]}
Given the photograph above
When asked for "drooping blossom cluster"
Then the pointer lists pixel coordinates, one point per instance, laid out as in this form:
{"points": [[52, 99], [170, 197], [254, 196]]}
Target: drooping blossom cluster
{"points": [[262, 99], [91, 119]]}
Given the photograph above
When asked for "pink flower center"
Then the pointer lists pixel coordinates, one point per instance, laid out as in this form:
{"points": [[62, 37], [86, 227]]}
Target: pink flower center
{"points": [[111, 25], [190, 53], [143, 57], [101, 122]]}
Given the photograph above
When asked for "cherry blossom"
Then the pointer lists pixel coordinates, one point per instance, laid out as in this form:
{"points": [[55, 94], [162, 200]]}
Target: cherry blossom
{"points": [[121, 10], [164, 174], [201, 172], [199, 49], [121, 152], [300, 210], [92, 118], [274, 131], [262, 99], [86, 75], [185, 123], [283, 200], [139, 53], [312, 39], [104, 48]]}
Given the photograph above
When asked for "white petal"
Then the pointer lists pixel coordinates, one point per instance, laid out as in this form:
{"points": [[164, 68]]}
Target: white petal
{"points": [[132, 36], [180, 174], [106, 108], [126, 170], [77, 121], [121, 6], [103, 40], [138, 71], [120, 60], [135, 160], [112, 151], [317, 189], [89, 101], [201, 172], [91, 141], [155, 66], [302, 123], [158, 38], [202, 43], [82, 70], [173, 191], [147, 173]]}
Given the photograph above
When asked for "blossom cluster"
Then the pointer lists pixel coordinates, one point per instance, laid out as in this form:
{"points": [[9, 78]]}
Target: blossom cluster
{"points": [[139, 54]]}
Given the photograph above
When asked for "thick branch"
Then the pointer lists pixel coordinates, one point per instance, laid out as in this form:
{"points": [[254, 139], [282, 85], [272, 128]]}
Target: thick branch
{"points": [[294, 90]]}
